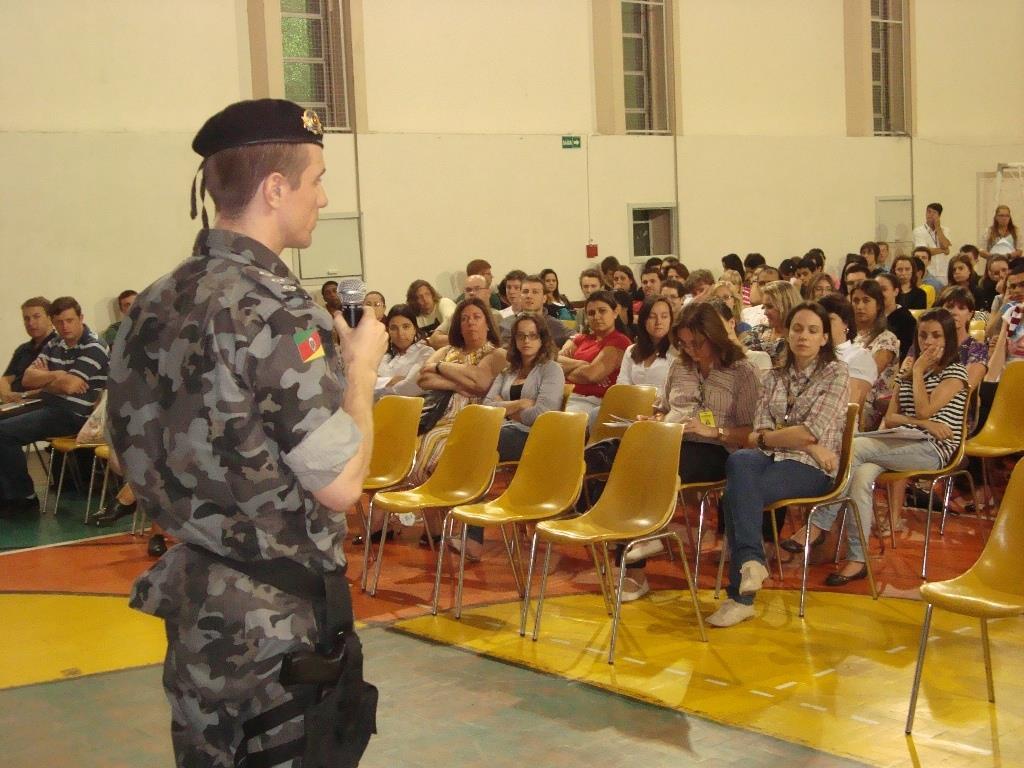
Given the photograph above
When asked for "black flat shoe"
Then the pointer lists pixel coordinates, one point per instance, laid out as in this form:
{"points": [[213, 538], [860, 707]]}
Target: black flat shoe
{"points": [[374, 537], [118, 511], [838, 580], [157, 545], [425, 543], [794, 546]]}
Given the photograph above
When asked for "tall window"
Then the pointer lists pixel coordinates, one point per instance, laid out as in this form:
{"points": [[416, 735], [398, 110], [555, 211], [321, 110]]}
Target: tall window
{"points": [[314, 58], [889, 67], [645, 35]]}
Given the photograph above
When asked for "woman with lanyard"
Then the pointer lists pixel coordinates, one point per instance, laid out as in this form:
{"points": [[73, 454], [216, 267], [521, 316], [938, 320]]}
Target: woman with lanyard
{"points": [[798, 433], [930, 402]]}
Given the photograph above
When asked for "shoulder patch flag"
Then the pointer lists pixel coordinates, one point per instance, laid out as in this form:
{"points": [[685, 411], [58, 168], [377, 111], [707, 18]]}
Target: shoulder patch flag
{"points": [[309, 345]]}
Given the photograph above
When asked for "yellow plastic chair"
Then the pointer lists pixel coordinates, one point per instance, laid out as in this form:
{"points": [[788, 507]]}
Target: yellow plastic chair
{"points": [[951, 470], [1001, 434], [546, 484], [622, 401], [705, 491], [67, 446], [976, 325], [636, 506], [929, 292], [993, 588], [396, 420], [463, 473]]}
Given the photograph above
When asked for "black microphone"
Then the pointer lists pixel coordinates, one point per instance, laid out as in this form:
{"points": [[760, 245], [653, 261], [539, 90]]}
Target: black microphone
{"points": [[352, 294]]}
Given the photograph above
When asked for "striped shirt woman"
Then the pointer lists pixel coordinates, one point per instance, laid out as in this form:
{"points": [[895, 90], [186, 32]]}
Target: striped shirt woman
{"points": [[929, 409]]}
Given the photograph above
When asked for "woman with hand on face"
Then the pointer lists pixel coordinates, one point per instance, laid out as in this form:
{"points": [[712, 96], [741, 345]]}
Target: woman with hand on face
{"points": [[777, 299], [931, 400], [898, 319], [795, 443], [991, 285], [407, 352], [910, 296], [591, 360], [874, 336]]}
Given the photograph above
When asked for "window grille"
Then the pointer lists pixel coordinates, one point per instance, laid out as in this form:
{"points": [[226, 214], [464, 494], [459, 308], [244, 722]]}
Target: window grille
{"points": [[645, 41], [314, 58], [888, 67]]}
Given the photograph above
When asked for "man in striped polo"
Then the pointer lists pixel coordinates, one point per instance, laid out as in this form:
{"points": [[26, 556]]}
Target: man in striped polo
{"points": [[71, 371]]}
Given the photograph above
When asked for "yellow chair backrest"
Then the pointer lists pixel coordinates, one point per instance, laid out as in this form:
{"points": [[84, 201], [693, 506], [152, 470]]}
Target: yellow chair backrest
{"points": [[917, 313], [566, 391], [470, 454], [644, 478], [395, 421], [1001, 565], [1006, 418], [846, 451], [978, 334], [550, 472], [625, 400], [976, 325], [929, 292]]}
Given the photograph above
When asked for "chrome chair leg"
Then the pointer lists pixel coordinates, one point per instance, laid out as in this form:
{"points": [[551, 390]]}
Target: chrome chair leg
{"points": [[927, 531], [701, 512], [608, 583], [103, 488], [543, 589], [529, 582], [60, 483], [988, 661], [691, 583], [617, 608], [88, 498], [807, 558], [721, 566], [445, 526], [462, 563], [510, 551], [380, 554], [778, 549], [864, 544], [367, 522], [920, 664]]}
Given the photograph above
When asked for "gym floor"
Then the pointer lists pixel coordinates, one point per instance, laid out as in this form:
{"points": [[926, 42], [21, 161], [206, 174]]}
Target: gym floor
{"points": [[80, 682]]}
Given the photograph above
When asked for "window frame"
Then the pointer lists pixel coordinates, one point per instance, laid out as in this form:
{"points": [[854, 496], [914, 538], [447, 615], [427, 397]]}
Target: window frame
{"points": [[673, 210], [889, 28], [651, 64], [332, 17]]}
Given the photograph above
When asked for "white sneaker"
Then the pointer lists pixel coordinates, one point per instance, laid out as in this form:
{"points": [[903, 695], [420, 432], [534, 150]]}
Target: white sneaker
{"points": [[752, 575], [730, 613], [634, 589], [644, 550]]}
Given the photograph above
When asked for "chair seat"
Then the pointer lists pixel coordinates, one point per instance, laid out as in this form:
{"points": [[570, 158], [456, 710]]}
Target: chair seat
{"points": [[580, 530], [63, 444], [968, 595], [922, 474], [805, 502], [376, 482], [103, 452], [416, 499], [492, 513], [983, 450]]}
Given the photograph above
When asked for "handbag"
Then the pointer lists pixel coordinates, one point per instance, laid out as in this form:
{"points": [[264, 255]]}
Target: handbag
{"points": [[435, 404]]}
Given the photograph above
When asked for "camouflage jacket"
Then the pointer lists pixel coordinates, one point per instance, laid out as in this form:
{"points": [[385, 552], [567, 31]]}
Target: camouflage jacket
{"points": [[224, 408]]}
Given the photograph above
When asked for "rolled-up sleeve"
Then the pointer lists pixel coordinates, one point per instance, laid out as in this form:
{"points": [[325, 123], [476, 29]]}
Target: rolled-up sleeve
{"points": [[829, 406]]}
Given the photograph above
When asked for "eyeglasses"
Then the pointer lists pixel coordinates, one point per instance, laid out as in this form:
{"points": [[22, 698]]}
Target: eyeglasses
{"points": [[527, 336], [373, 303]]}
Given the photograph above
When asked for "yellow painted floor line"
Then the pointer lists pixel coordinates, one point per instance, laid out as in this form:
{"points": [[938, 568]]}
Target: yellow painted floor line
{"points": [[55, 637], [838, 680]]}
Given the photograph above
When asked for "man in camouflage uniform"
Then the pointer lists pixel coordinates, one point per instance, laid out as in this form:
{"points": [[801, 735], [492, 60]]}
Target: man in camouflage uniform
{"points": [[229, 413]]}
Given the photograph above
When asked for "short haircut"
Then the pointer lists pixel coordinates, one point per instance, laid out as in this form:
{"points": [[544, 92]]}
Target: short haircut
{"points": [[919, 265], [414, 287], [63, 304], [697, 277], [233, 175], [827, 353], [651, 270], [754, 260], [807, 263], [700, 317], [852, 258], [654, 261], [608, 263], [455, 331], [329, 282], [534, 279], [766, 268], [590, 272], [787, 268], [971, 249], [673, 284], [817, 256], [37, 301], [921, 248], [548, 350], [1016, 267], [937, 207], [125, 294], [870, 247], [515, 274], [477, 267], [956, 294], [841, 307]]}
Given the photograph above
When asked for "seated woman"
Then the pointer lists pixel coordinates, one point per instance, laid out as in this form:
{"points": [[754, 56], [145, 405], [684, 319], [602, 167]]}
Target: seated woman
{"points": [[431, 308], [623, 280], [761, 360], [860, 362], [874, 336], [960, 272], [798, 431], [531, 383], [647, 361], [822, 286], [556, 303], [467, 368], [407, 352], [591, 361], [897, 319], [711, 388], [910, 296], [730, 294], [930, 401], [777, 299]]}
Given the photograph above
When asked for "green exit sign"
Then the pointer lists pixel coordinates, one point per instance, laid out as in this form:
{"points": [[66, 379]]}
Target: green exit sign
{"points": [[570, 142]]}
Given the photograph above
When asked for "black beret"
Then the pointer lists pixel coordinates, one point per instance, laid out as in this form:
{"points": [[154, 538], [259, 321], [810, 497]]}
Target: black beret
{"points": [[259, 121]]}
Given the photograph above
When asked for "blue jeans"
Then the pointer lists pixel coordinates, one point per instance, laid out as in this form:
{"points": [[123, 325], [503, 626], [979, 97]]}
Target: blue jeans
{"points": [[752, 481], [871, 457], [17, 432]]}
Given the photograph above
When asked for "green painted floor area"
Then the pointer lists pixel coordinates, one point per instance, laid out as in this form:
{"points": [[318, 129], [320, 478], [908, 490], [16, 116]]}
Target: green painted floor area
{"points": [[439, 707], [36, 530]]}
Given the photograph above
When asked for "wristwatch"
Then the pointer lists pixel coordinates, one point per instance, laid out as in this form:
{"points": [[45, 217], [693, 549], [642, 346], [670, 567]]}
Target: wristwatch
{"points": [[721, 434], [760, 441]]}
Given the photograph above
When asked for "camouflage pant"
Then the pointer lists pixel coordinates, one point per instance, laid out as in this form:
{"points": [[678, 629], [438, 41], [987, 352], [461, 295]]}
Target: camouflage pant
{"points": [[222, 667]]}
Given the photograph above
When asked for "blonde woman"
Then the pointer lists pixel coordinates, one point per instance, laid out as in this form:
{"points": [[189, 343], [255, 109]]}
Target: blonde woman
{"points": [[777, 299]]}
